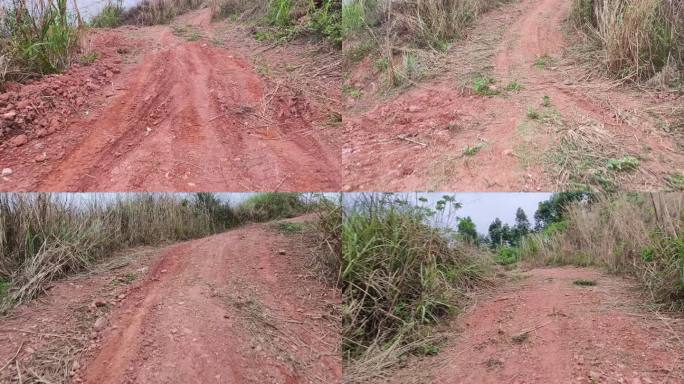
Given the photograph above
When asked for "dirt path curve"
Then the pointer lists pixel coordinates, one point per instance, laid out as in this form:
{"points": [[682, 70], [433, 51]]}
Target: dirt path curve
{"points": [[542, 328], [225, 309], [193, 116], [238, 307], [418, 139]]}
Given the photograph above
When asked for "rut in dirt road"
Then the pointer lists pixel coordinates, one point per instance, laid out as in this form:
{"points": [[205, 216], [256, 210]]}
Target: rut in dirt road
{"points": [[193, 116], [231, 308], [543, 328], [556, 127]]}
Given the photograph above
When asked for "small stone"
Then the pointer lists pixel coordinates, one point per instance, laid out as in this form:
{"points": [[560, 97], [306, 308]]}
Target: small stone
{"points": [[281, 252], [18, 141], [42, 157], [100, 303], [76, 365], [6, 172], [413, 108], [594, 375], [42, 132], [100, 323], [121, 296], [9, 115]]}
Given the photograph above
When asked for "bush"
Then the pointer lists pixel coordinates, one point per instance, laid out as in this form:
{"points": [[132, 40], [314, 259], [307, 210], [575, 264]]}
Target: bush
{"points": [[507, 255], [270, 206], [398, 273], [634, 234]]}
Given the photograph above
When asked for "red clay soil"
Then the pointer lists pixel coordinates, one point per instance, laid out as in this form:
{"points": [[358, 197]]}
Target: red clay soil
{"points": [[416, 139], [542, 328], [238, 307], [191, 114]]}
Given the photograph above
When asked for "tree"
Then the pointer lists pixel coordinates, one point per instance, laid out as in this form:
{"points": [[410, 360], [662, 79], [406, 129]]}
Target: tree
{"points": [[552, 210], [495, 233], [467, 230], [521, 227]]}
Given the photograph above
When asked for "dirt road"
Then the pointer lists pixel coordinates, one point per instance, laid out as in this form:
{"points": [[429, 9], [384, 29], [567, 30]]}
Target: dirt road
{"points": [[238, 307], [542, 123], [191, 114], [540, 327]]}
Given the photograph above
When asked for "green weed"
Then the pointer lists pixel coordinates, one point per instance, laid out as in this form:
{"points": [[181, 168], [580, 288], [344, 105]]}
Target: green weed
{"points": [[514, 86], [626, 163], [484, 85], [584, 282], [472, 150]]}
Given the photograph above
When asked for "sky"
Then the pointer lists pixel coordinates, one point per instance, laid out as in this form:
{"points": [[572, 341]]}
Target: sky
{"points": [[483, 208]]}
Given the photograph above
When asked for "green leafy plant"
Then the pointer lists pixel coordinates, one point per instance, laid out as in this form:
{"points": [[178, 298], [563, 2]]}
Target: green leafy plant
{"points": [[484, 85], [627, 163]]}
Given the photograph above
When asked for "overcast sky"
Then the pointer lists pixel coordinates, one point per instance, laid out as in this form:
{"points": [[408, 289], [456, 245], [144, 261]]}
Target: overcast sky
{"points": [[483, 208]]}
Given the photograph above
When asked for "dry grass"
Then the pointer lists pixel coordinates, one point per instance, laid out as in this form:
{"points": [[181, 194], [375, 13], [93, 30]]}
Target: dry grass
{"points": [[151, 12], [407, 35], [46, 236], [588, 157], [635, 234], [638, 40]]}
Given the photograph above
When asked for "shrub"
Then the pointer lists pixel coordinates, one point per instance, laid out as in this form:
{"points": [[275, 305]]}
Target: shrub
{"points": [[507, 255], [270, 206]]}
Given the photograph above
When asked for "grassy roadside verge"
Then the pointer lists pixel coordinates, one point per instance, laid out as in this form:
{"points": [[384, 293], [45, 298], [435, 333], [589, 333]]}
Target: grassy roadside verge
{"points": [[639, 235], [47, 236]]}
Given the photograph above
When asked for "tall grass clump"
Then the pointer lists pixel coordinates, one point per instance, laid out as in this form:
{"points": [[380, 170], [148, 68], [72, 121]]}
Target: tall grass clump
{"points": [[399, 275], [111, 15], [327, 260], [641, 235], [435, 22], [36, 38], [639, 39]]}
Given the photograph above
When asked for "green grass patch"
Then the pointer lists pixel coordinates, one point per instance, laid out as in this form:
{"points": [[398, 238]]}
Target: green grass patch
{"points": [[125, 279], [584, 282], [514, 86], [507, 255], [289, 228], [676, 181], [472, 150], [623, 164], [351, 91], [543, 61]]}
